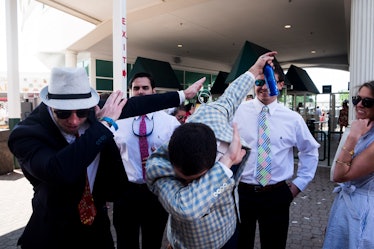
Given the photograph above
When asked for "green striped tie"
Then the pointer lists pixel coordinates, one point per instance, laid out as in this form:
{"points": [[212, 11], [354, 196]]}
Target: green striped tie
{"points": [[263, 148]]}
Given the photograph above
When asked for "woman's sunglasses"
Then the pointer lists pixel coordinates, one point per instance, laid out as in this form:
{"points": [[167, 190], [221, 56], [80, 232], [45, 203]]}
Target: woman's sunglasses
{"points": [[64, 114], [366, 102]]}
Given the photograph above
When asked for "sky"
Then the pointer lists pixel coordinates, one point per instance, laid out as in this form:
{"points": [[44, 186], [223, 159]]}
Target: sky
{"points": [[338, 79], [33, 44], [37, 37]]}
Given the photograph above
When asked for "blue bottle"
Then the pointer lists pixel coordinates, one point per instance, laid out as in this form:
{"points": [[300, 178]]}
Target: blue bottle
{"points": [[270, 80]]}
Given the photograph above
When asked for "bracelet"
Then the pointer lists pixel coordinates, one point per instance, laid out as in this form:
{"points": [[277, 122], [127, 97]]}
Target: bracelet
{"points": [[351, 152], [110, 122], [345, 163]]}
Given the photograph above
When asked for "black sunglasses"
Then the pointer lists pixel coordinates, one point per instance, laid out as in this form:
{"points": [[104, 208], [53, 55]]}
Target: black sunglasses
{"points": [[260, 82], [64, 114], [366, 102]]}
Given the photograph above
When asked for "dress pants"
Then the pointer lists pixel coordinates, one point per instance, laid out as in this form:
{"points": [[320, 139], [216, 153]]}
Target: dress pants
{"points": [[137, 210], [270, 208], [98, 235]]}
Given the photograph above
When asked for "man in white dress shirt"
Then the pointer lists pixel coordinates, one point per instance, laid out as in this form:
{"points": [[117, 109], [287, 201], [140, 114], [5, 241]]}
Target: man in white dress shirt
{"points": [[138, 208], [268, 204]]}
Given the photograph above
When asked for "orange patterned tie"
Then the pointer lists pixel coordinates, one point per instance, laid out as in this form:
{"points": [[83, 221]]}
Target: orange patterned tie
{"points": [[86, 206]]}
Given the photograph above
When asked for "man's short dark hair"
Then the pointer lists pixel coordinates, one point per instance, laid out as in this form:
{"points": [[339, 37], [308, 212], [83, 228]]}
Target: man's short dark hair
{"points": [[141, 75], [192, 148], [182, 107], [278, 70]]}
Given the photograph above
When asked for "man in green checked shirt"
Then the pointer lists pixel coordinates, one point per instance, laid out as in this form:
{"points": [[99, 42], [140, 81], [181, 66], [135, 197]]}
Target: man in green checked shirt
{"points": [[198, 189]]}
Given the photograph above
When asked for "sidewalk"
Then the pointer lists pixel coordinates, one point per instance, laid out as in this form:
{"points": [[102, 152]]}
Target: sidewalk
{"points": [[15, 207]]}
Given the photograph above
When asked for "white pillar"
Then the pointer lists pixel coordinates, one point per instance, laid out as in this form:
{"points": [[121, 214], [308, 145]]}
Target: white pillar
{"points": [[70, 58], [119, 46], [14, 106], [361, 46]]}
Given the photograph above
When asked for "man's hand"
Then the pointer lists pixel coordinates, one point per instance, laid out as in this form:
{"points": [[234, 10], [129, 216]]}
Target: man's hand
{"points": [[193, 89], [235, 153], [294, 189], [112, 107], [257, 68]]}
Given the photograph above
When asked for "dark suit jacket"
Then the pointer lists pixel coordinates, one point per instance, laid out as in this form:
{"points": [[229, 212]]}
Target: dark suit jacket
{"points": [[57, 171]]}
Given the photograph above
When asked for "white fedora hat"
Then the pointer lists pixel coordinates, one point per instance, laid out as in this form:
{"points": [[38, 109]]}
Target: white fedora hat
{"points": [[69, 89]]}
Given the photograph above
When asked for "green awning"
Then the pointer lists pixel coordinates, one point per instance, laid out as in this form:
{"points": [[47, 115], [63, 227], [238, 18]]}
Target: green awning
{"points": [[161, 71], [300, 80], [220, 85], [247, 57]]}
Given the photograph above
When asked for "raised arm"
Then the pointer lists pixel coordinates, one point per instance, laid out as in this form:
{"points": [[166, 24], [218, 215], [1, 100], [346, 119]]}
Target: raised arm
{"points": [[117, 107]]}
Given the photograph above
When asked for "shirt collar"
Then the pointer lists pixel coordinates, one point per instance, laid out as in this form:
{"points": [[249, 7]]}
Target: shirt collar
{"points": [[148, 115], [258, 106]]}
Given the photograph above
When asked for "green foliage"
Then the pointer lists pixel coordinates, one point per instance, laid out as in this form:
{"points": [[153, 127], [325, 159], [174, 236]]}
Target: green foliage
{"points": [[343, 95]]}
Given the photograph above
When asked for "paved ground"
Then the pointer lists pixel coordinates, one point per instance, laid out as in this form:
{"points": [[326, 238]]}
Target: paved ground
{"points": [[309, 211]]}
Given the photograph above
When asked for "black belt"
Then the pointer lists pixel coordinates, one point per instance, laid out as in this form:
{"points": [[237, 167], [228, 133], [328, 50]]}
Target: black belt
{"points": [[138, 185], [260, 188]]}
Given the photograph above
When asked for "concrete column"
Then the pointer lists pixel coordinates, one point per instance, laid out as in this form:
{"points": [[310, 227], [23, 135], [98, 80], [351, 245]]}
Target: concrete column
{"points": [[13, 94], [361, 46], [70, 58], [119, 46], [14, 105]]}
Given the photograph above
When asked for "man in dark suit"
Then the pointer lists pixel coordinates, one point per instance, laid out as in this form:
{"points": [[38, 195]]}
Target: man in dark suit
{"points": [[67, 152]]}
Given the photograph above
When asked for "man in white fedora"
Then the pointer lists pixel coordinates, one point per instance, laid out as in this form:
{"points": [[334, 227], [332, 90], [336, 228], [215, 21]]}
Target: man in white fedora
{"points": [[66, 150]]}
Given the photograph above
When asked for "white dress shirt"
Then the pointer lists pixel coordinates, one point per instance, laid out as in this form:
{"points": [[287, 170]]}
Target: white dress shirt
{"points": [[287, 130], [160, 127]]}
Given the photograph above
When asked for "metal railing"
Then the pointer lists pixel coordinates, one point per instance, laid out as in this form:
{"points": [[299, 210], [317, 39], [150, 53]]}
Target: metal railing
{"points": [[328, 145]]}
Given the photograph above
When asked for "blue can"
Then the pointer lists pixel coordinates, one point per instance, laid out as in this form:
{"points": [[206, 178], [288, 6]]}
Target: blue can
{"points": [[270, 80]]}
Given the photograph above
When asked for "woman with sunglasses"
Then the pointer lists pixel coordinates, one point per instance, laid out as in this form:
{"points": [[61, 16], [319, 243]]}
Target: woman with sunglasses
{"points": [[351, 221]]}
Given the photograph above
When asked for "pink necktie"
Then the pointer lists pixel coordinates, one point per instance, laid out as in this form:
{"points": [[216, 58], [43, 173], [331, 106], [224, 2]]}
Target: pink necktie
{"points": [[143, 144]]}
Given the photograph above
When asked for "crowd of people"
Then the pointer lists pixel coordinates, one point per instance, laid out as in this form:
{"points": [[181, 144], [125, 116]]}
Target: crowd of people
{"points": [[209, 175]]}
